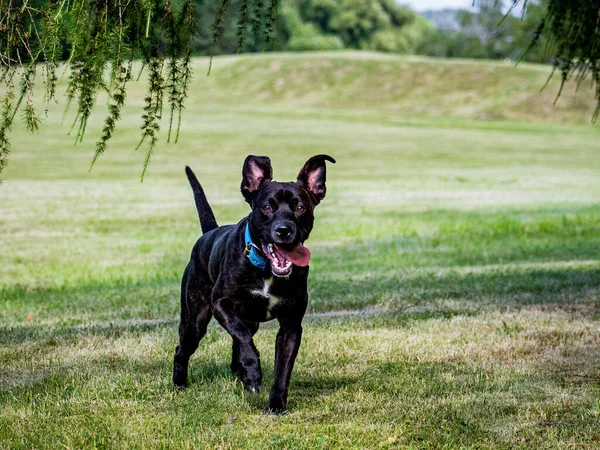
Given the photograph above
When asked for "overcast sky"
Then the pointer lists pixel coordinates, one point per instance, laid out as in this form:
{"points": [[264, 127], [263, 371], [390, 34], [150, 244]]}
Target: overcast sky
{"points": [[422, 5]]}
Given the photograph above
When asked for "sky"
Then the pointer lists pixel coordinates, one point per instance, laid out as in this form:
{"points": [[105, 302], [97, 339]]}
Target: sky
{"points": [[422, 5]]}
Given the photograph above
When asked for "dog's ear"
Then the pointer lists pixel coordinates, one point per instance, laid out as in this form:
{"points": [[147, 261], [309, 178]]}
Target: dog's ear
{"points": [[256, 172], [312, 176]]}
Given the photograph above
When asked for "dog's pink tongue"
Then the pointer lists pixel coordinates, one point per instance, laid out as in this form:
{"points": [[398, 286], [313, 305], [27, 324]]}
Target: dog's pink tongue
{"points": [[299, 255]]}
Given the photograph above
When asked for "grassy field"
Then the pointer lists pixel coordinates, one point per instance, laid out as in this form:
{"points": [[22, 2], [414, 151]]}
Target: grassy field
{"points": [[455, 278]]}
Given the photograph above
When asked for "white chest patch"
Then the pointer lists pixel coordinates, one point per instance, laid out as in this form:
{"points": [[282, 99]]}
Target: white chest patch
{"points": [[264, 292]]}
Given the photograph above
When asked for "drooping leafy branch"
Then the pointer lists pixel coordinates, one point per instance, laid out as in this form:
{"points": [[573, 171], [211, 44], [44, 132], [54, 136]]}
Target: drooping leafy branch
{"points": [[574, 29], [575, 26], [97, 42]]}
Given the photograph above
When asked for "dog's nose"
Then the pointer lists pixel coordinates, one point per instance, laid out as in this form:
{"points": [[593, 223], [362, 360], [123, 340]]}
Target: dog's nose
{"points": [[283, 231]]}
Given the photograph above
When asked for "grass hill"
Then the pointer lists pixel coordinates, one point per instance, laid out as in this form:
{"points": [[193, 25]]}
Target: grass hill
{"points": [[398, 85]]}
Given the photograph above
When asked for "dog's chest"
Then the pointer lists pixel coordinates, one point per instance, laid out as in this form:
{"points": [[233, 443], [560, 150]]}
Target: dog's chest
{"points": [[272, 301]]}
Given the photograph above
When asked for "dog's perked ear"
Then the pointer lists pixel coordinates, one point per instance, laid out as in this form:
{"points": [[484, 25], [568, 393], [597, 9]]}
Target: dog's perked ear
{"points": [[256, 172], [312, 176]]}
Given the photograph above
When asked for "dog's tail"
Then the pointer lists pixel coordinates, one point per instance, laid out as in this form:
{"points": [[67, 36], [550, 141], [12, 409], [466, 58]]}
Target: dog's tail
{"points": [[205, 212]]}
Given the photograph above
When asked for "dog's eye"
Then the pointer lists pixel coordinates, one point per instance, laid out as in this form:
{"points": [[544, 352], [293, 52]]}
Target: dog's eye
{"points": [[266, 208], [300, 209]]}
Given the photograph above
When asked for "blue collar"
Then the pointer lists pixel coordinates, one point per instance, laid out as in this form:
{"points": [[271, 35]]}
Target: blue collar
{"points": [[250, 251]]}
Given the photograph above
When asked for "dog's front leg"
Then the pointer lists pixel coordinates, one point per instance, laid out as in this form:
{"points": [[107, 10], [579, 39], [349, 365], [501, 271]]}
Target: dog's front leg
{"points": [[235, 351], [248, 356], [286, 350]]}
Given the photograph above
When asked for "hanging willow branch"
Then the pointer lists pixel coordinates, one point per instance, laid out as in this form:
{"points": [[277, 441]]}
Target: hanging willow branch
{"points": [[577, 36], [97, 41], [574, 28], [271, 23]]}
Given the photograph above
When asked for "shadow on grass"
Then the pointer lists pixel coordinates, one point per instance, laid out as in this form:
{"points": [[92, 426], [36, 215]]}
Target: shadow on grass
{"points": [[466, 290], [52, 336], [420, 295]]}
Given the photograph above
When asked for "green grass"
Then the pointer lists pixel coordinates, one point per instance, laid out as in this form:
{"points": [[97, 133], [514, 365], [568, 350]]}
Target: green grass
{"points": [[455, 278]]}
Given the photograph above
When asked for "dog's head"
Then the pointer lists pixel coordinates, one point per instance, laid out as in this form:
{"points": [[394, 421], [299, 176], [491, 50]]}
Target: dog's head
{"points": [[282, 213]]}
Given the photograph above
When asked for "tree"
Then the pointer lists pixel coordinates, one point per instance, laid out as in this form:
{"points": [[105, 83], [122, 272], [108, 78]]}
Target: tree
{"points": [[372, 25]]}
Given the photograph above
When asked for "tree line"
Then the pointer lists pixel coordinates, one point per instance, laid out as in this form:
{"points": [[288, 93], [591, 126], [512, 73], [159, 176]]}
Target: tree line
{"points": [[382, 25]]}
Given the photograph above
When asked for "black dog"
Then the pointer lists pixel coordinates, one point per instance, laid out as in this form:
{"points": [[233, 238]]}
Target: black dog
{"points": [[252, 272]]}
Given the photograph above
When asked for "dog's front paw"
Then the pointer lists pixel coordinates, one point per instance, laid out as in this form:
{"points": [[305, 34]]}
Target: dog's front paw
{"points": [[252, 379], [180, 382], [277, 404], [253, 385], [180, 370]]}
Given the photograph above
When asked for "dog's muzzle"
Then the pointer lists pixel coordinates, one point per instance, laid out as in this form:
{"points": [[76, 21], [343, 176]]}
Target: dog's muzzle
{"points": [[281, 259]]}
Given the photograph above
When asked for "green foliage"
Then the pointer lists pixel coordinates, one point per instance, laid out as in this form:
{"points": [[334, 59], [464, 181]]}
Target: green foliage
{"points": [[410, 39], [116, 103], [310, 39], [356, 21], [99, 41], [218, 26], [242, 22], [6, 121], [575, 30], [305, 36], [231, 26], [325, 24]]}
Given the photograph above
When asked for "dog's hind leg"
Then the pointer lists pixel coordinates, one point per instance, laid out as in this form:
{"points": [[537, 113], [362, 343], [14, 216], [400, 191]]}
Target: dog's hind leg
{"points": [[235, 349], [195, 316], [189, 338]]}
